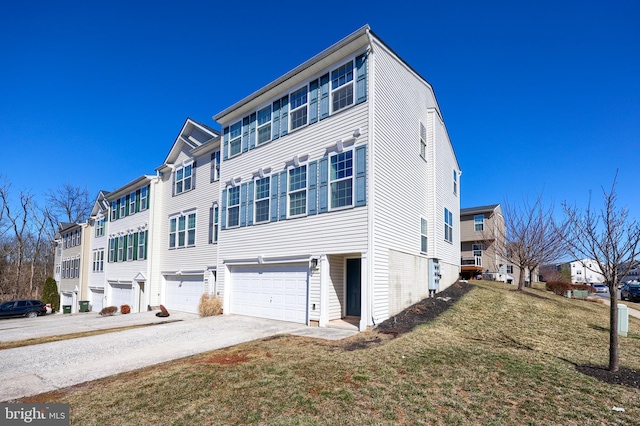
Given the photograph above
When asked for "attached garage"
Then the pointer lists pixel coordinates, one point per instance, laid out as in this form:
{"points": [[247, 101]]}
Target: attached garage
{"points": [[277, 292], [184, 292], [121, 294], [97, 299]]}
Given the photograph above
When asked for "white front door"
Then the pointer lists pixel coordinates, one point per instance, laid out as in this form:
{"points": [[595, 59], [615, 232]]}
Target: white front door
{"points": [[270, 291]]}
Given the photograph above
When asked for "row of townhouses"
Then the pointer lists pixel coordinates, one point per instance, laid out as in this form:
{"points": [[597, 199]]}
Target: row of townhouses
{"points": [[331, 192]]}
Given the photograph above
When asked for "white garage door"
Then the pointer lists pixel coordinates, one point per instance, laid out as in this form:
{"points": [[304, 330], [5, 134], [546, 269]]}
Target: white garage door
{"points": [[67, 299], [275, 292], [97, 298], [184, 292], [120, 295]]}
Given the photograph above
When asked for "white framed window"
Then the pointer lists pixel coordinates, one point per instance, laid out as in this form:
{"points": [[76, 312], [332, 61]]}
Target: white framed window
{"points": [[341, 178], [423, 141], [342, 87], [213, 224], [182, 231], [298, 102], [423, 235], [261, 203], [130, 247], [478, 223], [264, 125], [455, 182], [100, 227], [144, 198], [235, 139], [76, 265], [233, 207], [448, 225], [132, 202], [509, 269], [98, 260], [477, 249], [297, 190], [183, 179], [114, 210], [121, 248], [123, 206], [215, 165], [142, 243], [112, 249]]}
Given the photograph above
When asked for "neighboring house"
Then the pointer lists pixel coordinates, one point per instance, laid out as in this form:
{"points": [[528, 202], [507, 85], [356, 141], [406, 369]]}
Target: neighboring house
{"points": [[482, 242], [187, 247], [130, 232], [72, 244], [584, 271], [339, 191], [633, 275], [98, 250]]}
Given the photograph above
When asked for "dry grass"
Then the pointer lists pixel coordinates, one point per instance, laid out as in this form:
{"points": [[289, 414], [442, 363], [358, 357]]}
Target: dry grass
{"points": [[497, 357], [209, 305]]}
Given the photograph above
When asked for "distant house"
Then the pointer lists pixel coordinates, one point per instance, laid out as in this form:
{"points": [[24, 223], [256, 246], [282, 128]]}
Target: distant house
{"points": [[98, 225], [584, 271], [71, 260]]}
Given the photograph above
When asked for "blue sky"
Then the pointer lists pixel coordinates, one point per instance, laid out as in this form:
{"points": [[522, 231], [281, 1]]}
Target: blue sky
{"points": [[539, 97]]}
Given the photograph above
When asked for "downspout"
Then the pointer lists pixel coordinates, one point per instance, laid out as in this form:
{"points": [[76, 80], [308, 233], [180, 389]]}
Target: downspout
{"points": [[371, 252]]}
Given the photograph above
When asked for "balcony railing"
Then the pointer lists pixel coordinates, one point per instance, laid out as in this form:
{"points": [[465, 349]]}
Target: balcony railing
{"points": [[471, 261]]}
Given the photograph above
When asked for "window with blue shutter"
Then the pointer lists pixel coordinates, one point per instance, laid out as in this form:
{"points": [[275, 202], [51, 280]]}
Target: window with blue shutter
{"points": [[235, 139], [250, 198], [245, 134], [225, 147], [341, 177], [324, 96], [223, 213], [282, 198], [276, 120], [233, 206], [284, 116], [252, 131], [264, 125], [323, 182], [262, 193]]}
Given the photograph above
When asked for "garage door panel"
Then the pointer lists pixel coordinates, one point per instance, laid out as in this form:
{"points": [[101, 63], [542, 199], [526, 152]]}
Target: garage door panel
{"points": [[183, 292], [275, 292], [120, 295]]}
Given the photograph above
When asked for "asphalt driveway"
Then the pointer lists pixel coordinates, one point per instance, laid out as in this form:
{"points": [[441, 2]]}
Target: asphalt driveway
{"points": [[31, 370]]}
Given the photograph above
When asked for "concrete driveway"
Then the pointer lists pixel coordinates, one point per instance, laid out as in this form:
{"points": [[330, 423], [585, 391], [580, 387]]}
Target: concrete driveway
{"points": [[31, 370]]}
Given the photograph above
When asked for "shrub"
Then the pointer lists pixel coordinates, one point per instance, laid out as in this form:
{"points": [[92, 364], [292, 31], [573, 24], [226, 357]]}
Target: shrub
{"points": [[210, 305], [125, 309], [559, 287], [108, 311], [50, 294]]}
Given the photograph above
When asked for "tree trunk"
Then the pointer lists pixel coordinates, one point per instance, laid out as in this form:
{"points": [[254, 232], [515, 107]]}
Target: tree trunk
{"points": [[521, 279], [614, 356]]}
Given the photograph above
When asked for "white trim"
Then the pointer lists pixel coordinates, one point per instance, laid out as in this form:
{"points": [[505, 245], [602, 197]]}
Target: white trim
{"points": [[268, 260]]}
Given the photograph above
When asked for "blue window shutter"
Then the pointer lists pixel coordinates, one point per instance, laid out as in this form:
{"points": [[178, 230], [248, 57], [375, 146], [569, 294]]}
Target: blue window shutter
{"points": [[115, 250], [225, 148], [313, 101], [361, 175], [361, 78], [243, 204], [274, 198], [135, 246], [245, 134], [193, 176], [275, 123], [283, 195], [223, 210], [323, 185], [137, 200], [284, 116], [124, 249], [312, 187], [324, 96], [250, 194], [252, 131]]}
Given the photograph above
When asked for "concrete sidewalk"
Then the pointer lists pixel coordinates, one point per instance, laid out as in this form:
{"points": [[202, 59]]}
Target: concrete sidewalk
{"points": [[31, 370]]}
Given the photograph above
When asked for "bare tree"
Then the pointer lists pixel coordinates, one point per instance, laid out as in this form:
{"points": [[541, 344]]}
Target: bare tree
{"points": [[612, 240], [69, 204], [531, 237]]}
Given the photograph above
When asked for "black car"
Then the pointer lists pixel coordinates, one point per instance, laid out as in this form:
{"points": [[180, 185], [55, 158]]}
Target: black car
{"points": [[22, 308], [630, 291]]}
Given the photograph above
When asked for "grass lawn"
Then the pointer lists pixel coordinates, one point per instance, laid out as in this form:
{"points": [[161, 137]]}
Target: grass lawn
{"points": [[496, 357]]}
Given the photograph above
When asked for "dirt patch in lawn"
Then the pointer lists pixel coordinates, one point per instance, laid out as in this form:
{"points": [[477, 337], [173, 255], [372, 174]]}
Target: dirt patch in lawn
{"points": [[624, 376]]}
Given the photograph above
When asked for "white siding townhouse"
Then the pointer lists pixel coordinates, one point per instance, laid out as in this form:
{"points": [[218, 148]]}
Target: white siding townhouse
{"points": [[340, 191], [130, 233], [71, 264], [187, 247], [98, 248]]}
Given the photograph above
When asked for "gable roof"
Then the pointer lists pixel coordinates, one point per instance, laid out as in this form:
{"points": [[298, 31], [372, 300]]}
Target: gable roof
{"points": [[193, 135], [477, 210]]}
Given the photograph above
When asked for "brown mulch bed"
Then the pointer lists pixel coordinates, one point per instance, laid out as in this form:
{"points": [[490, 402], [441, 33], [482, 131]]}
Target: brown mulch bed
{"points": [[624, 376]]}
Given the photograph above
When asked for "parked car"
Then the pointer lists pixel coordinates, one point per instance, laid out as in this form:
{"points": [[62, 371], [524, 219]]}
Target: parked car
{"points": [[601, 288], [630, 292], [22, 308]]}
